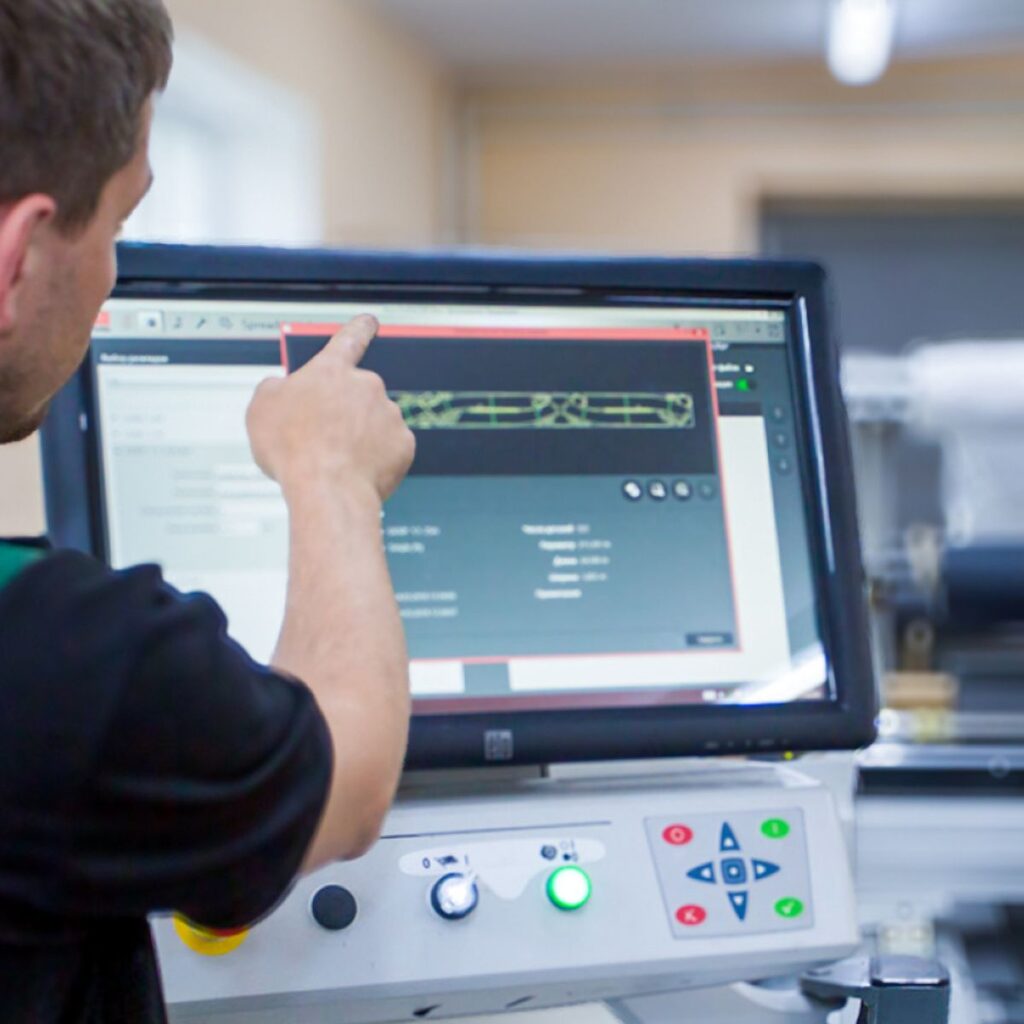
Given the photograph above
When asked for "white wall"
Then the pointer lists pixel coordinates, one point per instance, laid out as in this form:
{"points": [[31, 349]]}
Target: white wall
{"points": [[381, 102], [236, 156]]}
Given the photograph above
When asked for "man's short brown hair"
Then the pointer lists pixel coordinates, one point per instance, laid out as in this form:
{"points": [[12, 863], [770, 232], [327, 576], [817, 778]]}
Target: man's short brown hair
{"points": [[74, 78]]}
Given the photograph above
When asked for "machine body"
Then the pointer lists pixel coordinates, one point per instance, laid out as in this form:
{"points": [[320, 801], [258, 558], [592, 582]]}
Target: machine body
{"points": [[629, 534], [699, 877]]}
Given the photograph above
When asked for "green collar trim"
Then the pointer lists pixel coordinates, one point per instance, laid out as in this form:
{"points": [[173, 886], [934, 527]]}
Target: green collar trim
{"points": [[14, 559]]}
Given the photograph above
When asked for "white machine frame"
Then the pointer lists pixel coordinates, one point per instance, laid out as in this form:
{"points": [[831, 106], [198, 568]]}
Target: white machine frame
{"points": [[400, 961]]}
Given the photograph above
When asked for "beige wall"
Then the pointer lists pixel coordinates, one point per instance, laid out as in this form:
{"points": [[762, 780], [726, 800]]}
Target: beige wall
{"points": [[21, 490], [681, 163]]}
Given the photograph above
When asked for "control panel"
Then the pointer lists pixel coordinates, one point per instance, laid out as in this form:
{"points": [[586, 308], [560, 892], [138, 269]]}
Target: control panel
{"points": [[735, 875], [535, 893]]}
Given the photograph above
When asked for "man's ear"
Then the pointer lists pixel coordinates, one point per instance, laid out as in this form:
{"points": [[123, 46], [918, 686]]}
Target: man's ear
{"points": [[20, 224]]}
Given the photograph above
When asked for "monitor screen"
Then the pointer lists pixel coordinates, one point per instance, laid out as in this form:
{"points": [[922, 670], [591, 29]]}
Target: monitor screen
{"points": [[613, 506]]}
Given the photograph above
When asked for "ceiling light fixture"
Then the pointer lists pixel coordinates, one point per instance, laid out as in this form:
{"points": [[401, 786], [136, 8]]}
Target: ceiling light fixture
{"points": [[860, 38]]}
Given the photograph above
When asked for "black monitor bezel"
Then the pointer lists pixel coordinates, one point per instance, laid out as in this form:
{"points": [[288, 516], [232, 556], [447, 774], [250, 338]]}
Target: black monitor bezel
{"points": [[848, 721]]}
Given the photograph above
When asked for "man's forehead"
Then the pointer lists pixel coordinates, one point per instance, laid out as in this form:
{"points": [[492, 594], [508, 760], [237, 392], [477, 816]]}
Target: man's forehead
{"points": [[133, 181], [127, 187]]}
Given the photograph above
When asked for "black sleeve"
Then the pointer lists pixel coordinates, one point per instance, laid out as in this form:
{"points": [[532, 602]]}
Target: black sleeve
{"points": [[194, 779]]}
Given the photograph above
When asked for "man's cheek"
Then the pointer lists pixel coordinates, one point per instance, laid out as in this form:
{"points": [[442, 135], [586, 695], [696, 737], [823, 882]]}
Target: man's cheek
{"points": [[109, 276], [112, 268], [97, 286]]}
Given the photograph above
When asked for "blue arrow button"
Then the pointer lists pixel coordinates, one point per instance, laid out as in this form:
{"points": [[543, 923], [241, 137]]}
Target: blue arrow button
{"points": [[703, 873], [763, 869], [739, 904], [729, 840]]}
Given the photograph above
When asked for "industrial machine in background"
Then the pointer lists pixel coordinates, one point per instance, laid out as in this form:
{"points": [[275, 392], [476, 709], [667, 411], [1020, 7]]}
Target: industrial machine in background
{"points": [[938, 439], [947, 579]]}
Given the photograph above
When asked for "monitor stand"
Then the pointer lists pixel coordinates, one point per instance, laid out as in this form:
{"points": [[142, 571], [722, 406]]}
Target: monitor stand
{"points": [[517, 891]]}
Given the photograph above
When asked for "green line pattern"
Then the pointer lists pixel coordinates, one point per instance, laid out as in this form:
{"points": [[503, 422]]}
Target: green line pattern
{"points": [[548, 410]]}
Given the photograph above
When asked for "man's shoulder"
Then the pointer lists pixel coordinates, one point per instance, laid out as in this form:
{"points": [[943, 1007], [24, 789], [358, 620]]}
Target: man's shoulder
{"points": [[70, 629], [18, 555], [40, 586], [64, 612], [131, 716], [35, 565], [82, 645], [74, 634]]}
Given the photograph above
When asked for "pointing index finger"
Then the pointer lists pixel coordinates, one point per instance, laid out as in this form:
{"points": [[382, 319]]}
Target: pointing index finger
{"points": [[352, 341]]}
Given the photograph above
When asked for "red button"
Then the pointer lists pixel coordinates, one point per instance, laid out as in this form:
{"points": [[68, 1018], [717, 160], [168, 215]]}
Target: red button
{"points": [[691, 915], [677, 835]]}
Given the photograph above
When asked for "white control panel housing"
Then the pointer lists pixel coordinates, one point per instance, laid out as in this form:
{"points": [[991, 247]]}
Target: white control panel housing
{"points": [[701, 877]]}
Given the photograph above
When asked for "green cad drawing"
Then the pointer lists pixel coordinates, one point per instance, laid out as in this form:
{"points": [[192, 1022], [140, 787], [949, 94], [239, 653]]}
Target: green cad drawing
{"points": [[549, 410]]}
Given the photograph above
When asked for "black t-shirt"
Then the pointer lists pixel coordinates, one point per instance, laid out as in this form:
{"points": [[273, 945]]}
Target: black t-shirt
{"points": [[146, 764]]}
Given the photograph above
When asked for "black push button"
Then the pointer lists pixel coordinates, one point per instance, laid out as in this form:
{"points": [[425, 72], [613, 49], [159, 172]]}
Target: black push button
{"points": [[333, 908]]}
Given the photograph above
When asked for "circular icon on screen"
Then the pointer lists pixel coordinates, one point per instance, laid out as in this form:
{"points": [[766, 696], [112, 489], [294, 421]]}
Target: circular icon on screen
{"points": [[657, 490], [682, 489], [632, 490]]}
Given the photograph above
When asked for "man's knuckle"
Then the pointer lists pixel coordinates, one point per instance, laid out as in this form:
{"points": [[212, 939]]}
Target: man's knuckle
{"points": [[331, 370], [409, 443], [257, 404]]}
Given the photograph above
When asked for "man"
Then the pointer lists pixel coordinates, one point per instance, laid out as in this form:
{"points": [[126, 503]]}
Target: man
{"points": [[146, 763]]}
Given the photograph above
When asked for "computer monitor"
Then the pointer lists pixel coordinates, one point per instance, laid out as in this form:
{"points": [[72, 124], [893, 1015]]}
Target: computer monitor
{"points": [[629, 530]]}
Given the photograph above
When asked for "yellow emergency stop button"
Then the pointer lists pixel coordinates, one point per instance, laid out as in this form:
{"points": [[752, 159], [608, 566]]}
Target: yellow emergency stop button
{"points": [[208, 941]]}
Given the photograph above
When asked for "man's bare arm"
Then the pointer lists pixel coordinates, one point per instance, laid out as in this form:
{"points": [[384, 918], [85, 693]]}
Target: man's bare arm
{"points": [[338, 447]]}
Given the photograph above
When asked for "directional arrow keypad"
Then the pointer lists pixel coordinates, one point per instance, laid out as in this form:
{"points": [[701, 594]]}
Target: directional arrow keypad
{"points": [[745, 877]]}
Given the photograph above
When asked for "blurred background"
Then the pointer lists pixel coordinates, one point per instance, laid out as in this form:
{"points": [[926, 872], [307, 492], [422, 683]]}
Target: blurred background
{"points": [[884, 138], [684, 127], [655, 126]]}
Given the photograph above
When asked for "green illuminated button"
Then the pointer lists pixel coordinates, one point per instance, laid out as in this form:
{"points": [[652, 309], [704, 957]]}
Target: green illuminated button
{"points": [[775, 828], [789, 908], [569, 888]]}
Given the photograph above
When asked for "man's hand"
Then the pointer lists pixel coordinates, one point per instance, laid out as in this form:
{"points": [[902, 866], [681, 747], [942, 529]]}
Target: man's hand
{"points": [[338, 447], [331, 423]]}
